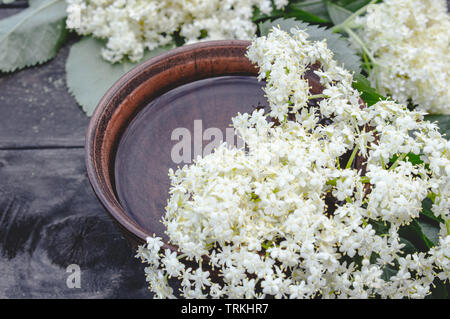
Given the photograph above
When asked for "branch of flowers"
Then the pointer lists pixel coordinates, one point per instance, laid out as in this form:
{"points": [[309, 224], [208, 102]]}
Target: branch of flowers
{"points": [[343, 25]]}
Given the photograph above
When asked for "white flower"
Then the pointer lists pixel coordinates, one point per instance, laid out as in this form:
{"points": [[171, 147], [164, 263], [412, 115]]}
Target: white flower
{"points": [[158, 283], [172, 265], [200, 278], [154, 243], [410, 42], [130, 27], [282, 216]]}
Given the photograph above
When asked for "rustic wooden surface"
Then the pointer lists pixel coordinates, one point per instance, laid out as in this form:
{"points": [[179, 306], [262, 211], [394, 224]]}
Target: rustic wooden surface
{"points": [[49, 215]]}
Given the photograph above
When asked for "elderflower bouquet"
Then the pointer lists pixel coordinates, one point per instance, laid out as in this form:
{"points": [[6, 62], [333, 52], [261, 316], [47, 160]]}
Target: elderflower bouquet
{"points": [[320, 202], [132, 26]]}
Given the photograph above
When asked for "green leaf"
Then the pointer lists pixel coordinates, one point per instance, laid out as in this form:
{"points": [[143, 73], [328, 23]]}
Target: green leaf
{"points": [[89, 76], [32, 36], [304, 16], [388, 272], [426, 211], [354, 5], [368, 94], [351, 5], [414, 159], [314, 7], [381, 228], [258, 15], [343, 52], [337, 13], [443, 121], [439, 290], [312, 11], [414, 234], [422, 232], [409, 248], [283, 24], [431, 232], [410, 157]]}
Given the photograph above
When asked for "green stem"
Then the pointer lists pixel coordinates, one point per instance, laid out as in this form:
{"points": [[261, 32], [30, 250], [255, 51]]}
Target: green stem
{"points": [[361, 43], [377, 84], [365, 180], [367, 62], [347, 21], [181, 256], [312, 3], [382, 162], [355, 125], [432, 196], [352, 157], [397, 161]]}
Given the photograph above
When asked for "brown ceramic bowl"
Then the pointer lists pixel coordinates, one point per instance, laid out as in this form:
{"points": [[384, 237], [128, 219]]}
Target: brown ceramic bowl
{"points": [[130, 140], [129, 136]]}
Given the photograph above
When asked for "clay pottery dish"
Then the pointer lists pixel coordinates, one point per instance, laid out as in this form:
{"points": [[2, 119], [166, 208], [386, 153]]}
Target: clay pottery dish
{"points": [[180, 96]]}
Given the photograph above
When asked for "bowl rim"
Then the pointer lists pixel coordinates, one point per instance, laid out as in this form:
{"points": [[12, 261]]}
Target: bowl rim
{"points": [[125, 223]]}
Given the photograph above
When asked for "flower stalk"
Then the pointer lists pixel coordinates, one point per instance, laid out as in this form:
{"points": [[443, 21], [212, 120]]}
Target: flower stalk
{"points": [[349, 20]]}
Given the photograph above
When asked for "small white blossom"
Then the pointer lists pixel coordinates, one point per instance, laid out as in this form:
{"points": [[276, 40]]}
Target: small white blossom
{"points": [[283, 216], [130, 27], [410, 41]]}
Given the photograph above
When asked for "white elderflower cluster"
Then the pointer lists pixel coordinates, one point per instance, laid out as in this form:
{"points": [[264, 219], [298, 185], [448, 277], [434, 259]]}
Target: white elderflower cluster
{"points": [[132, 26], [314, 205], [410, 41]]}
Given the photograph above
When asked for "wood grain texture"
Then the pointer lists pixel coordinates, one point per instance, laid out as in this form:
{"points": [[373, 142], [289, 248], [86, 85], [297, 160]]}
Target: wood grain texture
{"points": [[49, 215], [49, 219], [36, 109]]}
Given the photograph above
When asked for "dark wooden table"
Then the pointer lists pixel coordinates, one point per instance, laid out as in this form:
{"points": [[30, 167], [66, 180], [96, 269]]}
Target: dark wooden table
{"points": [[49, 215]]}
